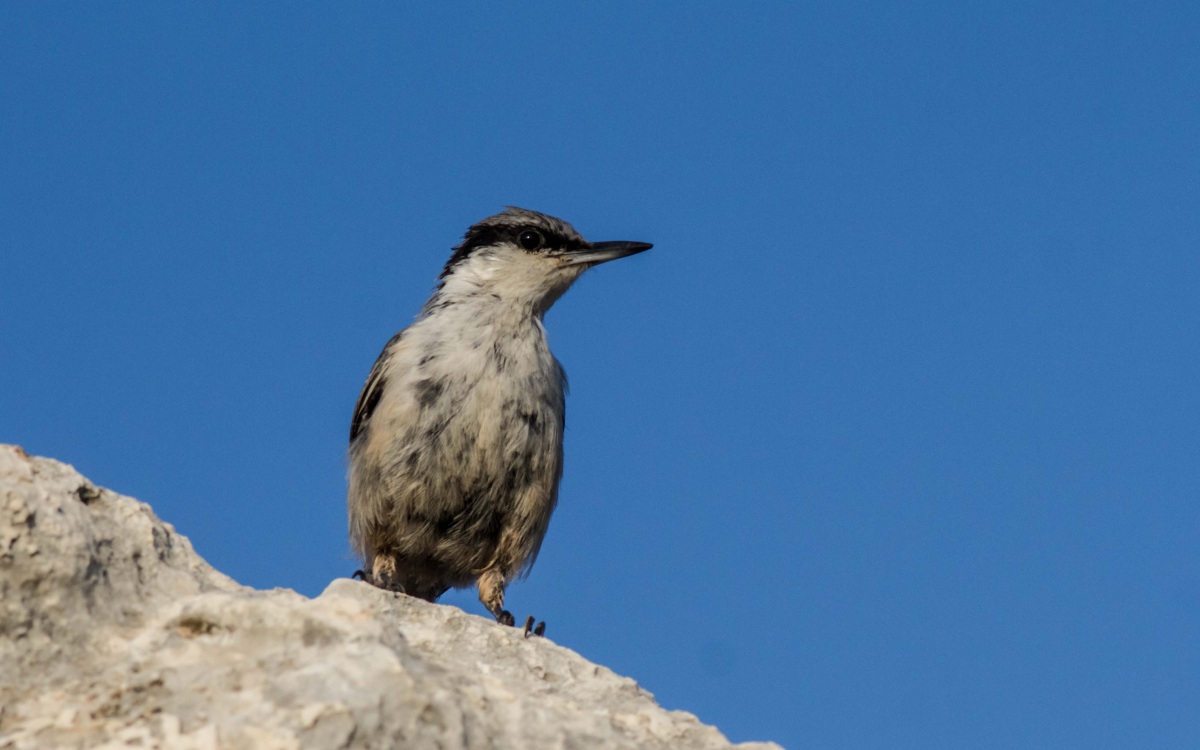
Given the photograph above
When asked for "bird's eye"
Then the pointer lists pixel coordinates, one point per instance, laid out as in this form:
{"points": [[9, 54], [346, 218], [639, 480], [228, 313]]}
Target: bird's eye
{"points": [[530, 239]]}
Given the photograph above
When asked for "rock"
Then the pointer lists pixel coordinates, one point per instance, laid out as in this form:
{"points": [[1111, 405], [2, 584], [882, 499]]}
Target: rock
{"points": [[114, 633]]}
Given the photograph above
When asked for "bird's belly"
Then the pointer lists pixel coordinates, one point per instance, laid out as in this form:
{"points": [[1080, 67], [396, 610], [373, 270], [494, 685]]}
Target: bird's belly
{"points": [[479, 465]]}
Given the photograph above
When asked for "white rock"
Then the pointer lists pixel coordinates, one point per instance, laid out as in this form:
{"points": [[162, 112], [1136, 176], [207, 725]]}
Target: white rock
{"points": [[114, 633]]}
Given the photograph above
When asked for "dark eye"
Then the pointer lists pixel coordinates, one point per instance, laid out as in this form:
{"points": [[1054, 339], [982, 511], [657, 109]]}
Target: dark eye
{"points": [[530, 239]]}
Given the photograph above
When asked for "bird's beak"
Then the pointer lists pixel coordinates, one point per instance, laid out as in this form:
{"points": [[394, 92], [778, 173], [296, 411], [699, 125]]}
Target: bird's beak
{"points": [[601, 252]]}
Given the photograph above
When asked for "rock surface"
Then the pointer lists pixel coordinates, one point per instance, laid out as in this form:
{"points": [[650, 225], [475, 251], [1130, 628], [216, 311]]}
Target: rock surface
{"points": [[114, 633]]}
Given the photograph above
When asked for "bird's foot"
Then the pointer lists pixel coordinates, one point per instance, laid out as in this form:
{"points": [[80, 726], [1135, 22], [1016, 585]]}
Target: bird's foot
{"points": [[539, 631], [382, 582], [506, 618]]}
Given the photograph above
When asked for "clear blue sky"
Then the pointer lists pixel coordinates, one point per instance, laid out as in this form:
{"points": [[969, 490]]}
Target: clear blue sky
{"points": [[893, 440]]}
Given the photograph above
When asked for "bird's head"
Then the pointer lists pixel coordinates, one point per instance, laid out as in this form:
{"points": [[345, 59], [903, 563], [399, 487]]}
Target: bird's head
{"points": [[524, 258]]}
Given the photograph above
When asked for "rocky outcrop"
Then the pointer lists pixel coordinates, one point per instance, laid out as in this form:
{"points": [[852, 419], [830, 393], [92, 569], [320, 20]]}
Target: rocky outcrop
{"points": [[115, 633]]}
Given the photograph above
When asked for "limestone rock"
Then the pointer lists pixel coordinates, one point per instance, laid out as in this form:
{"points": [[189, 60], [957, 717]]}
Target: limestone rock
{"points": [[114, 633]]}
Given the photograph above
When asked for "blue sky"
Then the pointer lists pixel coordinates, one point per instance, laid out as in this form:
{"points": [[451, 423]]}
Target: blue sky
{"points": [[891, 441]]}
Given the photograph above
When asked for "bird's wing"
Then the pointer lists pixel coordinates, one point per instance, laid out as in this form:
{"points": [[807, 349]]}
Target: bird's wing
{"points": [[373, 389]]}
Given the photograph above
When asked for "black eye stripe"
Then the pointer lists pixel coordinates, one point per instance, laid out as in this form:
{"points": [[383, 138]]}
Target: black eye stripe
{"points": [[507, 227], [549, 239]]}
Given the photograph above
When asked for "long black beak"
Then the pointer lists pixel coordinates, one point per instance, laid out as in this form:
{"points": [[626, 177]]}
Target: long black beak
{"points": [[601, 252]]}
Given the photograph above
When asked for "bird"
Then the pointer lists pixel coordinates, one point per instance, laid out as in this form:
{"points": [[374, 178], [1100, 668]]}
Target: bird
{"points": [[456, 440]]}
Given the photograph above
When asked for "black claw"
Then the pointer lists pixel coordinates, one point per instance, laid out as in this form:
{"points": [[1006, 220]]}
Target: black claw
{"points": [[386, 584], [505, 618], [540, 630], [528, 625]]}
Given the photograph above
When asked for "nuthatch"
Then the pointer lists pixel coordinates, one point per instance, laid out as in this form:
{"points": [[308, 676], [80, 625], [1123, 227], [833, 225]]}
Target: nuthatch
{"points": [[456, 443]]}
